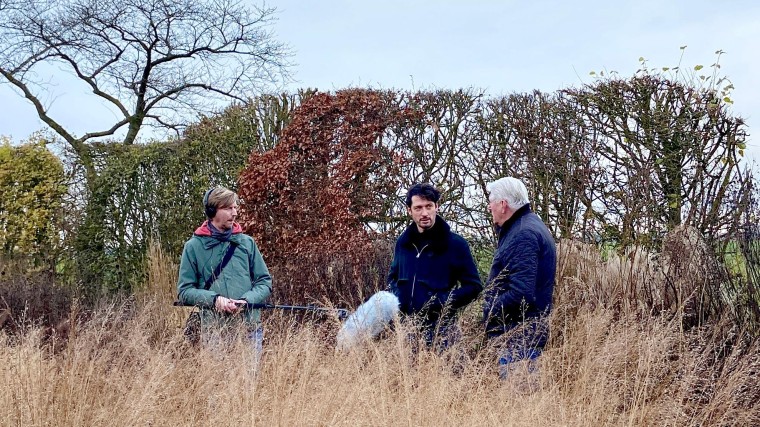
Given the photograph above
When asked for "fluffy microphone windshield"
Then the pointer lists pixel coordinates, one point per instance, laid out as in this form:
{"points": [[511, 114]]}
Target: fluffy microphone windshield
{"points": [[368, 320]]}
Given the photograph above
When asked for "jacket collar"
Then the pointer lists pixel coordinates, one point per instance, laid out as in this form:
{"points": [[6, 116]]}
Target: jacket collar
{"points": [[438, 234], [204, 231], [524, 210]]}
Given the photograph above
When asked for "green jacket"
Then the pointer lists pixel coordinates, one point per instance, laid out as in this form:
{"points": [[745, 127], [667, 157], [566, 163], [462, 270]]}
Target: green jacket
{"points": [[245, 276]]}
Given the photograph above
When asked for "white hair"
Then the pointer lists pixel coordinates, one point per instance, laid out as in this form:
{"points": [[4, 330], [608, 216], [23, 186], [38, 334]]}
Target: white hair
{"points": [[510, 189]]}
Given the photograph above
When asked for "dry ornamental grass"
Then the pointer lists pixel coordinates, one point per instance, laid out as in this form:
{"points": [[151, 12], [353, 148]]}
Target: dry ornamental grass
{"points": [[128, 365]]}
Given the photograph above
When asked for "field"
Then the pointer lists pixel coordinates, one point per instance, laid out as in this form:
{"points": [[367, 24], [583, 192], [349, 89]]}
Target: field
{"points": [[609, 362]]}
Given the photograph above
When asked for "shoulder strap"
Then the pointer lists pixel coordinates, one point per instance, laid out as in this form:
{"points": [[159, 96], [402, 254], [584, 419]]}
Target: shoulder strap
{"points": [[220, 267]]}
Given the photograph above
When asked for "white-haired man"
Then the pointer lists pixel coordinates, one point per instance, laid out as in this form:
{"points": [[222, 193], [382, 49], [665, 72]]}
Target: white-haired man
{"points": [[518, 295]]}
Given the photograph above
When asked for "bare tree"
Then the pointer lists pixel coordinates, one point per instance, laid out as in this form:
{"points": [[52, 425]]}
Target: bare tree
{"points": [[672, 152], [158, 62]]}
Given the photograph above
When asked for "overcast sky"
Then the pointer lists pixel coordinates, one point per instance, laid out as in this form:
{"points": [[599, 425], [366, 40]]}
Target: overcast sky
{"points": [[497, 46]]}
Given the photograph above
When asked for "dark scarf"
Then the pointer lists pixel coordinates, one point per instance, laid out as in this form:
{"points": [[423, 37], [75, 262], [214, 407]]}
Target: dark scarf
{"points": [[219, 235], [437, 235], [422, 239]]}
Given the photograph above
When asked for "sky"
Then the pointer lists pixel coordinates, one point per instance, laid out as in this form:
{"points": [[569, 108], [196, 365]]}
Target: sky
{"points": [[499, 47]]}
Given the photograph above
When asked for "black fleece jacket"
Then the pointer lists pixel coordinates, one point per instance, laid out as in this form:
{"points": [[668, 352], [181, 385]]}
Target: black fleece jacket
{"points": [[431, 270]]}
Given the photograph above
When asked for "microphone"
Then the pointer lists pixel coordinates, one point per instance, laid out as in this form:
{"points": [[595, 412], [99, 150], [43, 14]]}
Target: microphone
{"points": [[368, 320]]}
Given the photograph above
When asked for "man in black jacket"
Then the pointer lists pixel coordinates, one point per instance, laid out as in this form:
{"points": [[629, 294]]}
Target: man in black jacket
{"points": [[520, 285], [433, 273]]}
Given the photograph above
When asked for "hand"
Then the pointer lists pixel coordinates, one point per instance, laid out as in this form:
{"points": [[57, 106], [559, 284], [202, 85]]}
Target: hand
{"points": [[227, 305]]}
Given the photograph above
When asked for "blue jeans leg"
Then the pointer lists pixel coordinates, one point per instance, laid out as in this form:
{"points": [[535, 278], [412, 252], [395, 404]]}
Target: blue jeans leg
{"points": [[443, 336], [512, 355], [256, 338]]}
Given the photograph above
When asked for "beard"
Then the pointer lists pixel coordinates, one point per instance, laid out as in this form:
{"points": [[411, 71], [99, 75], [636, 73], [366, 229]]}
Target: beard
{"points": [[426, 225]]}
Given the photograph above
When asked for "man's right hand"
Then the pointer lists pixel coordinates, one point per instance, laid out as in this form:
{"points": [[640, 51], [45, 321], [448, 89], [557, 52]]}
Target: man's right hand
{"points": [[226, 305]]}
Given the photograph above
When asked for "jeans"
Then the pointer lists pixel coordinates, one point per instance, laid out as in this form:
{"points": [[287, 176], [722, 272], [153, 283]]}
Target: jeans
{"points": [[256, 338], [221, 341], [524, 344], [442, 336], [438, 335], [510, 356]]}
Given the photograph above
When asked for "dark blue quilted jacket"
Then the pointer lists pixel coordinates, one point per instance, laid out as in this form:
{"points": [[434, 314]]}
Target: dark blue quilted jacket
{"points": [[521, 281]]}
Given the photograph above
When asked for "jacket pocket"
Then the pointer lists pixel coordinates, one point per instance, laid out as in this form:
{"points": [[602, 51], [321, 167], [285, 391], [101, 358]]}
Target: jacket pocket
{"points": [[425, 296], [403, 291]]}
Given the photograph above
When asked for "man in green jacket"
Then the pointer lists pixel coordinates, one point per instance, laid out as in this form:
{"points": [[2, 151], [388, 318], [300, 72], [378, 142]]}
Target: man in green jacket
{"points": [[223, 294]]}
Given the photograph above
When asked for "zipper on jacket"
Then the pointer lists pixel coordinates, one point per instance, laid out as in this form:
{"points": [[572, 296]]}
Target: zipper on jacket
{"points": [[419, 252]]}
